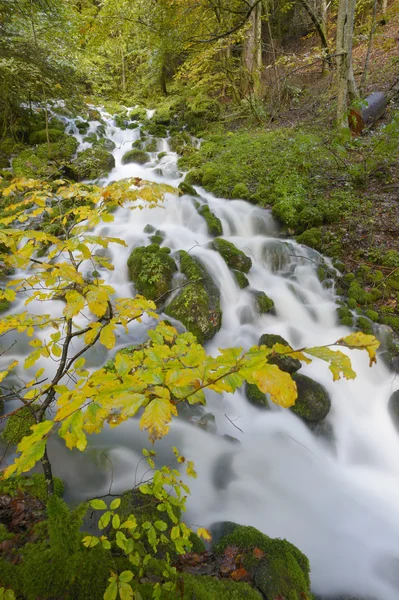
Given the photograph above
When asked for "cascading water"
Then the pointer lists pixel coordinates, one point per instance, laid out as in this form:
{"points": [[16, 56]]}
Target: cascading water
{"points": [[337, 501]]}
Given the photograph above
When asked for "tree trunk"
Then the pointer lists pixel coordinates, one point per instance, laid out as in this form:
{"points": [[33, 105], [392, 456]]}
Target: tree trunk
{"points": [[369, 48], [48, 473], [346, 85], [252, 52]]}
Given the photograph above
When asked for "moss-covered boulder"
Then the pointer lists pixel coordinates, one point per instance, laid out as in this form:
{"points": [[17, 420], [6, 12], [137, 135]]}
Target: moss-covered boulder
{"points": [[40, 137], [105, 143], [4, 305], [313, 402], [255, 396], [82, 126], [264, 304], [278, 568], [186, 189], [241, 279], [234, 258], [28, 164], [312, 238], [92, 163], [136, 156], [203, 587], [284, 363], [197, 306], [18, 426], [151, 269], [214, 224]]}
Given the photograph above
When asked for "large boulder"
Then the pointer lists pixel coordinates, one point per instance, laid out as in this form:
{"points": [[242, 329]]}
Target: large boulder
{"points": [[255, 396], [136, 156], [214, 224], [151, 269], [313, 403], [92, 163], [284, 363], [277, 568], [264, 304], [197, 306], [234, 258]]}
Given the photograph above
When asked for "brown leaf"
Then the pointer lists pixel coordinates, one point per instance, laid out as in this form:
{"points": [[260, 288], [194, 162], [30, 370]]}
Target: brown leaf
{"points": [[258, 553], [239, 574], [229, 559]]}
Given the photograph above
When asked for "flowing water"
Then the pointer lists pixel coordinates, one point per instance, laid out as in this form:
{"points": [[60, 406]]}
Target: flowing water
{"points": [[337, 500]]}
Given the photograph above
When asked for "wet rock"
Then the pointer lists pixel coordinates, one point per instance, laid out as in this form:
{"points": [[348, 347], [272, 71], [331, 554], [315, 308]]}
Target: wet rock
{"points": [[105, 143], [136, 156], [92, 163], [214, 224], [263, 302], [284, 363], [313, 403], [234, 258], [393, 408], [40, 137], [151, 270], [186, 189], [197, 306], [223, 473], [220, 529], [255, 396], [241, 279], [82, 126]]}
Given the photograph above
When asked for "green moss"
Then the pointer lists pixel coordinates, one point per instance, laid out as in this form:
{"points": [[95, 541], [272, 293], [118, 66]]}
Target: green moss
{"points": [[283, 571], [91, 138], [213, 222], [156, 129], [240, 190], [185, 188], [364, 325], [194, 177], [82, 126], [263, 302], [357, 292], [204, 587], [92, 163], [313, 403], [352, 304], [391, 258], [135, 156], [235, 258], [28, 164], [241, 279], [255, 396], [312, 238], [371, 314], [151, 146], [18, 425], [34, 485], [151, 269], [161, 155], [138, 114], [157, 239], [105, 143], [40, 137], [4, 305]]}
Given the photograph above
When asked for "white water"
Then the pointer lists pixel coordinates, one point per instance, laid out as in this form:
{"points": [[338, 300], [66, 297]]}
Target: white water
{"points": [[339, 503]]}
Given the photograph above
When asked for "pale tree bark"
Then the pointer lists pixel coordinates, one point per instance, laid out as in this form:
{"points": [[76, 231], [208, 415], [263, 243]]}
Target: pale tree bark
{"points": [[384, 6], [252, 51], [346, 84]]}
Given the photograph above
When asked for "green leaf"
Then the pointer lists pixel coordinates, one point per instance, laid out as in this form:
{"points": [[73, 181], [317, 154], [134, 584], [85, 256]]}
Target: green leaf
{"points": [[104, 520], [106, 544], [115, 503], [98, 504], [126, 576], [160, 525], [116, 521], [90, 541], [125, 591], [111, 592]]}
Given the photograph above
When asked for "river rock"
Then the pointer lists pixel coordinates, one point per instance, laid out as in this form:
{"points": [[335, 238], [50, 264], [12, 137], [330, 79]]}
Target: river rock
{"points": [[264, 304], [187, 189], [234, 258], [151, 269], [393, 408], [136, 156], [213, 222], [92, 163], [284, 363], [255, 396], [313, 403], [197, 306]]}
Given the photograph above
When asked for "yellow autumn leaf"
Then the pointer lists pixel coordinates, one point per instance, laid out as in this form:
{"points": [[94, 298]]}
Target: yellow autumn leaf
{"points": [[98, 301], [204, 534], [156, 418], [107, 336], [340, 363], [280, 386], [361, 341], [75, 302]]}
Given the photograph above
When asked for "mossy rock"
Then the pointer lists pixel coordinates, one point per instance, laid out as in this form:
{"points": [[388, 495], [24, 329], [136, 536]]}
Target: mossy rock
{"points": [[263, 302], [34, 486], [152, 145], [186, 189], [151, 270], [136, 156], [82, 126], [194, 177], [138, 114], [313, 402], [255, 396], [105, 143], [4, 304], [203, 587], [240, 190], [241, 279], [28, 164], [312, 238], [91, 138], [197, 306], [214, 224], [283, 571], [156, 129], [18, 426], [364, 325], [40, 137], [345, 315], [234, 258], [161, 155], [284, 363], [93, 163]]}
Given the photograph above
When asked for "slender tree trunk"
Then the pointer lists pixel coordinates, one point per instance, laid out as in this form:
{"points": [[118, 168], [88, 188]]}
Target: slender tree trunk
{"points": [[384, 6], [346, 85], [369, 47], [317, 23], [48, 473], [123, 69], [252, 52]]}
